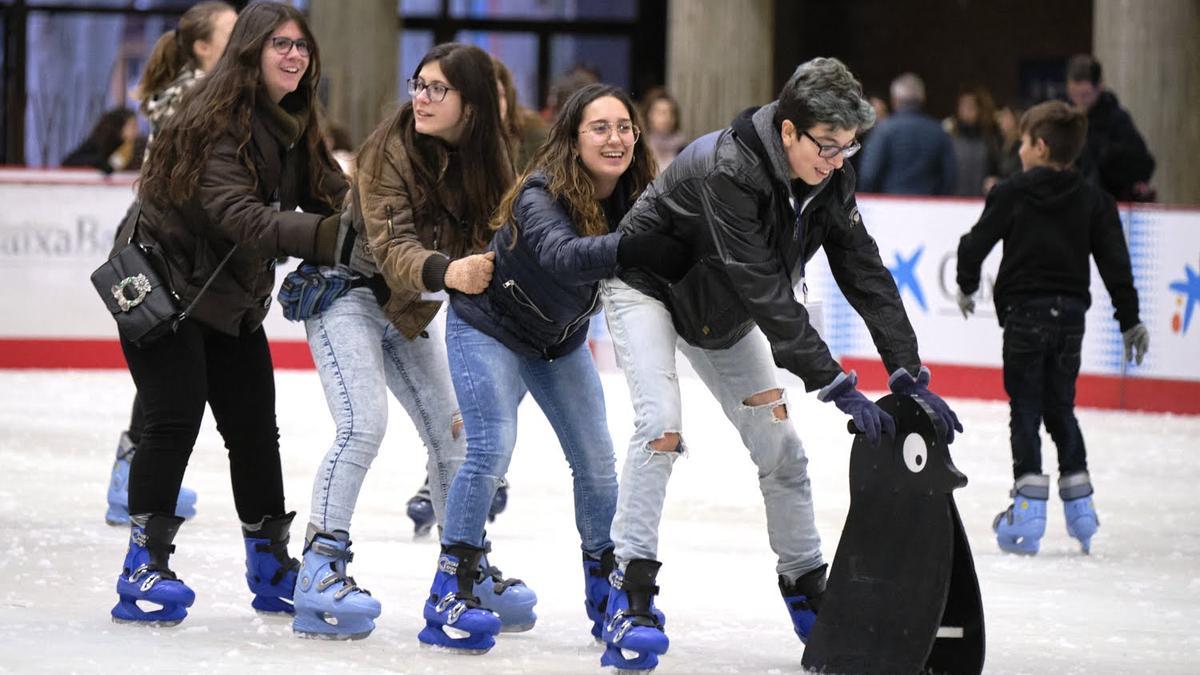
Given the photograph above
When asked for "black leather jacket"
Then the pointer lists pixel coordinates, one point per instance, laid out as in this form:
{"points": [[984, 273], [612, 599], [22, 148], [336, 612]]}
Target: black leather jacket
{"points": [[722, 195]]}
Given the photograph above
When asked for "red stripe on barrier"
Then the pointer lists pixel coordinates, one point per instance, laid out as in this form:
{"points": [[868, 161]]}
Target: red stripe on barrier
{"points": [[958, 381]]}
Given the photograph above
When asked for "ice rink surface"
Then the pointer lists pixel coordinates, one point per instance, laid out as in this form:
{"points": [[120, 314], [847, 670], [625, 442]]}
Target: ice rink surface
{"points": [[1133, 606]]}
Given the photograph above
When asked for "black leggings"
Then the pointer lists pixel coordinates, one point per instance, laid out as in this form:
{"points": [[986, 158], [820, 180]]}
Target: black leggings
{"points": [[175, 377]]}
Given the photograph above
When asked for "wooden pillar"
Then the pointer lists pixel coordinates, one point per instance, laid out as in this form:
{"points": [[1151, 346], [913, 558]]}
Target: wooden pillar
{"points": [[1150, 53], [719, 59], [359, 60]]}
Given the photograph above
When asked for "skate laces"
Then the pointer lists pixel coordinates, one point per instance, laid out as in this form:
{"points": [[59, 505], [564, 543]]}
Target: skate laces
{"points": [[497, 577]]}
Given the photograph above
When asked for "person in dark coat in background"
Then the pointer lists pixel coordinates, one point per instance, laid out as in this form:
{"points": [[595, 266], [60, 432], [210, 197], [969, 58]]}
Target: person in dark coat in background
{"points": [[1115, 156], [908, 153], [111, 144], [528, 332], [226, 176], [1052, 221], [756, 201]]}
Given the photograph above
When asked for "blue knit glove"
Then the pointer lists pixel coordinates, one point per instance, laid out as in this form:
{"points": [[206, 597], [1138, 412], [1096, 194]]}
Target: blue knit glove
{"points": [[902, 382], [868, 417]]}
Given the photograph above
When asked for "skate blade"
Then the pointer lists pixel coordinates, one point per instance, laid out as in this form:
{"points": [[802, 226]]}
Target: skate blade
{"points": [[455, 650], [516, 628], [148, 624], [330, 637]]}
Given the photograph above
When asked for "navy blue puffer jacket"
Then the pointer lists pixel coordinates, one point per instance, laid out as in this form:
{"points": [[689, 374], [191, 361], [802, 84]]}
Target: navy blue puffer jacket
{"points": [[546, 287]]}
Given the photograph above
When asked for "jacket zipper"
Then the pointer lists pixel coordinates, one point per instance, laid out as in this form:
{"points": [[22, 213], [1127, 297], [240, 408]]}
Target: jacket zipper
{"points": [[524, 299], [391, 228]]}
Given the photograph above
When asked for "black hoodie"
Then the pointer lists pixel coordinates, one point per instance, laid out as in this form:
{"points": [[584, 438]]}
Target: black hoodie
{"points": [[1050, 221], [1115, 155]]}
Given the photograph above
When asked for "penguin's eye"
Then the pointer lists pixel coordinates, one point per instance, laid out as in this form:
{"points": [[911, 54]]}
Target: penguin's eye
{"points": [[915, 453]]}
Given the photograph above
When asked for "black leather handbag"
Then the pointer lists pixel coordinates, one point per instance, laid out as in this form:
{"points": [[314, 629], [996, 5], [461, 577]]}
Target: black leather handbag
{"points": [[134, 288]]}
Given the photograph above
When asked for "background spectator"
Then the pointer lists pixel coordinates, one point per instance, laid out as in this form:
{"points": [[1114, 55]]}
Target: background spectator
{"points": [[1115, 157], [908, 153], [662, 135], [111, 145], [524, 128], [976, 142]]}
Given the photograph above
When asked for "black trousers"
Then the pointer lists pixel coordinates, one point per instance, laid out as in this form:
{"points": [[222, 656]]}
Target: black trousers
{"points": [[1042, 342], [175, 377]]}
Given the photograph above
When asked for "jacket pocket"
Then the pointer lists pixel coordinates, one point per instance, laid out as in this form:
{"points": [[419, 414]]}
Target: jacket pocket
{"points": [[522, 298], [704, 309]]}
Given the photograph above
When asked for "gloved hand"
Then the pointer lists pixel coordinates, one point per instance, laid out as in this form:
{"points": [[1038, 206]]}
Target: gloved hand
{"points": [[471, 274], [662, 254], [966, 303], [868, 417], [902, 382], [325, 240], [1136, 339]]}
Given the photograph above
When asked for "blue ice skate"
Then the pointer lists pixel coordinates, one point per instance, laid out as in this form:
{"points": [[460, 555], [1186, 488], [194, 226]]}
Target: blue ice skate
{"points": [[510, 599], [328, 603], [596, 589], [420, 509], [634, 635], [1075, 490], [803, 599], [118, 488], [270, 572], [453, 617], [499, 501], [146, 576], [1020, 527]]}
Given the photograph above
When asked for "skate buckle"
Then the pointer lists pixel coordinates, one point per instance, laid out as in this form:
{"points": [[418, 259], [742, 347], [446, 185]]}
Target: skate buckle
{"points": [[455, 611], [150, 581], [625, 626], [612, 623], [137, 573]]}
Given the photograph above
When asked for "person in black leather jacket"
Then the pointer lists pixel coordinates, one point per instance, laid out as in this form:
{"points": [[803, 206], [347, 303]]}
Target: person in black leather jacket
{"points": [[755, 201]]}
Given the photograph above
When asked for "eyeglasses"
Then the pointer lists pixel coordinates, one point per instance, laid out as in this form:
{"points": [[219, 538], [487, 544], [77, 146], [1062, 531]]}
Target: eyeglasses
{"points": [[436, 91], [282, 45], [831, 151], [600, 132]]}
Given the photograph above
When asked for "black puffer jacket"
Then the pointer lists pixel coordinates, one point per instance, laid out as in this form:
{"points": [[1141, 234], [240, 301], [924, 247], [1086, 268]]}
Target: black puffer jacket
{"points": [[1115, 155], [545, 288], [725, 194]]}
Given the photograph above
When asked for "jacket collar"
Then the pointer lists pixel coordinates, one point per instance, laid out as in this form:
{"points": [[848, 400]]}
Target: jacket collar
{"points": [[286, 125]]}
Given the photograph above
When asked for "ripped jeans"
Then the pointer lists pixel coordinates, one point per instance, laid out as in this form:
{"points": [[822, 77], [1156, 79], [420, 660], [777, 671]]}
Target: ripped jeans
{"points": [[645, 341], [360, 355]]}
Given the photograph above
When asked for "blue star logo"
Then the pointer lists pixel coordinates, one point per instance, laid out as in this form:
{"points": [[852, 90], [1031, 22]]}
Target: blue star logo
{"points": [[905, 274], [1190, 288]]}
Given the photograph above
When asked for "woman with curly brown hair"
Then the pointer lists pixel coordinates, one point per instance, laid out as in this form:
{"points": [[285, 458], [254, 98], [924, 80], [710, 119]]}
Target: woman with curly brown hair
{"points": [[527, 331], [219, 197]]}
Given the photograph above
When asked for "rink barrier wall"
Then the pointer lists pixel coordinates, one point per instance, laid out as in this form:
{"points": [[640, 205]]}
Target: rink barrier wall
{"points": [[58, 225]]}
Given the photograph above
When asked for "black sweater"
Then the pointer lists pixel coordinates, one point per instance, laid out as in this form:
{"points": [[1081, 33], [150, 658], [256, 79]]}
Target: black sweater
{"points": [[1050, 221]]}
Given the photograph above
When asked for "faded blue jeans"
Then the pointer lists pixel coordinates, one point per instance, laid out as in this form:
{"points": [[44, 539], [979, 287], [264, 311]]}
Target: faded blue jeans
{"points": [[490, 380], [645, 341], [360, 355]]}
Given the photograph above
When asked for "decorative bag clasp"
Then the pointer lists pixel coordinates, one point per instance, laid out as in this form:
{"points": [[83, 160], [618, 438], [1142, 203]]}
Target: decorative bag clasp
{"points": [[141, 285]]}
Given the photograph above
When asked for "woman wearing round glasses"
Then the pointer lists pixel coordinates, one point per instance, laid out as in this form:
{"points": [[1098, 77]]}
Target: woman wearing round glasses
{"points": [[757, 199], [527, 331], [220, 193], [428, 180]]}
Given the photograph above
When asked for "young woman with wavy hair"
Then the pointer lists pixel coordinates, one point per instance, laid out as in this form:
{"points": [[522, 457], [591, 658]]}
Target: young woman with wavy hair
{"points": [[179, 59], [428, 180], [219, 197], [527, 331]]}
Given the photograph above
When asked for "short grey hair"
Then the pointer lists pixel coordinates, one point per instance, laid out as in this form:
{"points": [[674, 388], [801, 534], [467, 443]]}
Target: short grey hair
{"points": [[908, 88], [824, 91]]}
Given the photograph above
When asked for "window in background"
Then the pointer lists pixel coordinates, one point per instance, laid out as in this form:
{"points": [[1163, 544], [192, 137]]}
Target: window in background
{"points": [[408, 8], [413, 45], [518, 51], [608, 55], [545, 9]]}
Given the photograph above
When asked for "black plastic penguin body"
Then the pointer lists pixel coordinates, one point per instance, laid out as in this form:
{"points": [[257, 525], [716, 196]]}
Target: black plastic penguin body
{"points": [[902, 595]]}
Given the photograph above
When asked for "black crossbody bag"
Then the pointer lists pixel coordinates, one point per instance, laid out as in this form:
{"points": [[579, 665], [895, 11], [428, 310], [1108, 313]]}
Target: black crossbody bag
{"points": [[136, 293]]}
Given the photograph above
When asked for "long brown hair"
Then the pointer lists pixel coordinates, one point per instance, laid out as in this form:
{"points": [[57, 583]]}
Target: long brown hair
{"points": [[223, 103], [484, 170], [173, 51], [568, 180], [513, 123]]}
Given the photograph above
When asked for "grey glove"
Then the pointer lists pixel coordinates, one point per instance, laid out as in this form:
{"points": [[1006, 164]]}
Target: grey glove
{"points": [[966, 303], [1137, 343]]}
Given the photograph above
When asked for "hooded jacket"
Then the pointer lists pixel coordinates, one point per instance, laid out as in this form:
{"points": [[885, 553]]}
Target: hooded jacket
{"points": [[1115, 155], [545, 285], [254, 210], [729, 194], [1051, 222]]}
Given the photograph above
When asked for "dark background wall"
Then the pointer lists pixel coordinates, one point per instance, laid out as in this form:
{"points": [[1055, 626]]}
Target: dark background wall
{"points": [[1015, 48]]}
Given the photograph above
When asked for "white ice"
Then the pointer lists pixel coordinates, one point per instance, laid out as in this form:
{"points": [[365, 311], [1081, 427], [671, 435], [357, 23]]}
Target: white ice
{"points": [[1133, 606]]}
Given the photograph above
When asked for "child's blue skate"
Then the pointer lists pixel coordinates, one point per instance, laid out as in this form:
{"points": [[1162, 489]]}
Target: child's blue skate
{"points": [[511, 599], [1075, 491], [270, 571], [329, 604], [633, 633], [147, 577], [420, 509], [1020, 527], [596, 588], [803, 599], [454, 619], [118, 488]]}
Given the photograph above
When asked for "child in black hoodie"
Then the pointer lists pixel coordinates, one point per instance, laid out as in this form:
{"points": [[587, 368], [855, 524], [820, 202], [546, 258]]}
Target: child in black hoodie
{"points": [[1051, 221]]}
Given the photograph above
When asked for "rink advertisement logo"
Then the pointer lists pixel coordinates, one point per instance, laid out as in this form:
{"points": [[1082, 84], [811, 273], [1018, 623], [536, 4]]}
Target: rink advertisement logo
{"points": [[1187, 294], [88, 238], [904, 271]]}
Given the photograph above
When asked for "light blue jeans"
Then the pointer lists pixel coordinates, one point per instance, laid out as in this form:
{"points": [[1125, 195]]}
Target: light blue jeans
{"points": [[645, 341], [359, 356], [490, 380]]}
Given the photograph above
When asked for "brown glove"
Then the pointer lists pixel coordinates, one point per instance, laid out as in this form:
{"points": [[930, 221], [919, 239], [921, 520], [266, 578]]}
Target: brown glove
{"points": [[471, 274]]}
